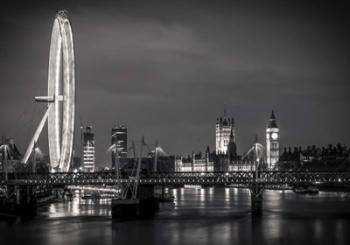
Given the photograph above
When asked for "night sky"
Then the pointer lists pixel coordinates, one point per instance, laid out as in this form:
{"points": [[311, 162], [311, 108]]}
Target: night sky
{"points": [[165, 69]]}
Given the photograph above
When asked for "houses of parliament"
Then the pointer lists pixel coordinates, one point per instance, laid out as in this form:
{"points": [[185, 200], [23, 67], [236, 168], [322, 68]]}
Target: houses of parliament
{"points": [[225, 157]]}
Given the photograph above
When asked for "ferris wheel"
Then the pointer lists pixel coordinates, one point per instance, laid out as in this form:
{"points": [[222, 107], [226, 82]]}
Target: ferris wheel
{"points": [[60, 113]]}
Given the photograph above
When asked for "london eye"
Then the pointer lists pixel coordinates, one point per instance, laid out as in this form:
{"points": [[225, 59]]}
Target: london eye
{"points": [[60, 113]]}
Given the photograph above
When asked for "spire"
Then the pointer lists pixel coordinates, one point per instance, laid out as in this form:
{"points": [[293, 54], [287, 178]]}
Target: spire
{"points": [[208, 149], [231, 148], [256, 138], [272, 121], [273, 115], [231, 136]]}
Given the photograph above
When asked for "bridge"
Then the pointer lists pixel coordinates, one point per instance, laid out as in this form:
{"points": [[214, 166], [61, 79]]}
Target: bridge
{"points": [[246, 178], [136, 189]]}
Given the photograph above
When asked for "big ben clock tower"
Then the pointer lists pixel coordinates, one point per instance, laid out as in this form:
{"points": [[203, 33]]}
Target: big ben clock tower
{"points": [[272, 142]]}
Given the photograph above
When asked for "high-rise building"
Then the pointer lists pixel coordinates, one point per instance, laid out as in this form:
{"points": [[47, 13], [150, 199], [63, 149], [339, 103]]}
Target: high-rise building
{"points": [[272, 142], [120, 140], [224, 127], [88, 150]]}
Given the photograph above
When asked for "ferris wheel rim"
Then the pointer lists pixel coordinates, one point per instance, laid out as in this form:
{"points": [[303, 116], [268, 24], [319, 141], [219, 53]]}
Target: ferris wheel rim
{"points": [[61, 77]]}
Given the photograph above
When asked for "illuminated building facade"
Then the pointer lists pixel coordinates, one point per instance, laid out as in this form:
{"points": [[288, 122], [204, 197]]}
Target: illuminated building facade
{"points": [[241, 165], [272, 142], [224, 128], [120, 140], [88, 150], [196, 163]]}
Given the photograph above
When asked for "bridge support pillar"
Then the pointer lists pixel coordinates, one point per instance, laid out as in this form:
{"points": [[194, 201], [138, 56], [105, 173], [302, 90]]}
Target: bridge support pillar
{"points": [[149, 202], [26, 200], [145, 205], [124, 209], [20, 200], [256, 197]]}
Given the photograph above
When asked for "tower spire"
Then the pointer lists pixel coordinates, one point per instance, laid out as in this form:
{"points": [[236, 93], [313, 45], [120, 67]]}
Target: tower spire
{"points": [[231, 135], [231, 147], [272, 121], [273, 115]]}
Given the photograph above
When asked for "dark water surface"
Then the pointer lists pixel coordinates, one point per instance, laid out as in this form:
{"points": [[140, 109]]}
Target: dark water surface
{"points": [[199, 216]]}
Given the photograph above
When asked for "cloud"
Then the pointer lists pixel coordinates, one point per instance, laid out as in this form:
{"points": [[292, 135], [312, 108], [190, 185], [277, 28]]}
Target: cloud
{"points": [[167, 68]]}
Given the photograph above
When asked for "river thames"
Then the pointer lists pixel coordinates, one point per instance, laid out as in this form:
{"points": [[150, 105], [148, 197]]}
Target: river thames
{"points": [[198, 216]]}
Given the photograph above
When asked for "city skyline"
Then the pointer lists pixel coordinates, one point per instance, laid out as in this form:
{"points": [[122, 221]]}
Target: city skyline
{"points": [[174, 122], [168, 78]]}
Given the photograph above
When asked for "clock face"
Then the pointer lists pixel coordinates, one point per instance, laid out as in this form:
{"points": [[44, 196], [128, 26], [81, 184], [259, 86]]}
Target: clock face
{"points": [[274, 136]]}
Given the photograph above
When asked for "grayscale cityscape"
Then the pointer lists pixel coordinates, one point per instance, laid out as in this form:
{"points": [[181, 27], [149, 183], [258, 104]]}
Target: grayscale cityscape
{"points": [[174, 122]]}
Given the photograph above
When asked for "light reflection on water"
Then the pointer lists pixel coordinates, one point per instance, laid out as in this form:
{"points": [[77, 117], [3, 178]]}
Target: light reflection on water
{"points": [[79, 207], [202, 195], [199, 216]]}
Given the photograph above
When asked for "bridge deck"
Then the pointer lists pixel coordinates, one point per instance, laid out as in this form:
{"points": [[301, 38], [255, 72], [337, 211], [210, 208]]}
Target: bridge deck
{"points": [[179, 178]]}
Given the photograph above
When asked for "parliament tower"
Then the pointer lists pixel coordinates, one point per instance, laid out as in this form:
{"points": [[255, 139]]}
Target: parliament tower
{"points": [[224, 128], [272, 142]]}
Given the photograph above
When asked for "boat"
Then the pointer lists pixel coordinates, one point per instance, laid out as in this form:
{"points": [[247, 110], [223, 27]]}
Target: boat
{"points": [[91, 196], [97, 196], [192, 186], [306, 190]]}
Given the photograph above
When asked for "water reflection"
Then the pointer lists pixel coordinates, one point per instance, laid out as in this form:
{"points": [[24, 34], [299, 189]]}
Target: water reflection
{"points": [[199, 216], [227, 195], [202, 195]]}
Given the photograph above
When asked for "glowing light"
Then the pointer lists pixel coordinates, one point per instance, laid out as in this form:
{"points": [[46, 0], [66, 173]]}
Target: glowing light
{"points": [[61, 140], [61, 108], [92, 188]]}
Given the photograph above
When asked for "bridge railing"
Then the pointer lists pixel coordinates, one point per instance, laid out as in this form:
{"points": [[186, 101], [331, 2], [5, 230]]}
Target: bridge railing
{"points": [[234, 177]]}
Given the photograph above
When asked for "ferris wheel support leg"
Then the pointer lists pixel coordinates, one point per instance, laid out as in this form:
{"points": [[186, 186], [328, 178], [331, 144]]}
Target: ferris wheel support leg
{"points": [[36, 136]]}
